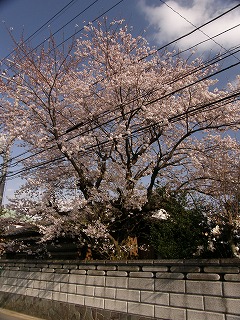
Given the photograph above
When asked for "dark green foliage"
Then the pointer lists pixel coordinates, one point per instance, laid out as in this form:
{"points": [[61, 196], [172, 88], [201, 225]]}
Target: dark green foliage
{"points": [[183, 232]]}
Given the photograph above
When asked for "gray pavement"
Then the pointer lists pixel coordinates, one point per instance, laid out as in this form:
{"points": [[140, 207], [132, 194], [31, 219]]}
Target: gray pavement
{"points": [[11, 315]]}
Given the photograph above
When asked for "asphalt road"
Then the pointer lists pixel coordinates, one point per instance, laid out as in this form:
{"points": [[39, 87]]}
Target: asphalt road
{"points": [[11, 315]]}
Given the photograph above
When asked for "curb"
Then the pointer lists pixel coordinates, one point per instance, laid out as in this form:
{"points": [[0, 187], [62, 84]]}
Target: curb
{"points": [[17, 315]]}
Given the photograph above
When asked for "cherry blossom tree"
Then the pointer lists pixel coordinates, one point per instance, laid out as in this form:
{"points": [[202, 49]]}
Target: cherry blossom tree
{"points": [[103, 119], [6, 142], [215, 173]]}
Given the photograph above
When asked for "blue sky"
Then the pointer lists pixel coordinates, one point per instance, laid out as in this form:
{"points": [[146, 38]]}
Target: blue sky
{"points": [[163, 21], [28, 15]]}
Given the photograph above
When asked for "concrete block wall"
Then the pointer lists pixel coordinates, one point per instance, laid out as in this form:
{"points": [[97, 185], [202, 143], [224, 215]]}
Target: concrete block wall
{"points": [[131, 290]]}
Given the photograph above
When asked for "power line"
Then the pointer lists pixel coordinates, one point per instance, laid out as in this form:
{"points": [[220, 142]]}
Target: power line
{"points": [[80, 13], [155, 100], [95, 19], [44, 25], [196, 29], [92, 21], [197, 81], [77, 125], [148, 54], [176, 120], [226, 100], [160, 48], [74, 34], [98, 17], [109, 9], [210, 38], [52, 19], [134, 110]]}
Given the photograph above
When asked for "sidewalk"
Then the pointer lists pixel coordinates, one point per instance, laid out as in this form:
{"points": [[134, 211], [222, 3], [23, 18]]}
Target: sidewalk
{"points": [[12, 315]]}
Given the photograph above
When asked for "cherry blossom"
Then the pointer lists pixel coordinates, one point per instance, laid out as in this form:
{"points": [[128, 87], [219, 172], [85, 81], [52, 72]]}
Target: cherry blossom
{"points": [[103, 120]]}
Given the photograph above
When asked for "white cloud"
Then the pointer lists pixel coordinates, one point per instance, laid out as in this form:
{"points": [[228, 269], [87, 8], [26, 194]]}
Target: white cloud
{"points": [[169, 21]]}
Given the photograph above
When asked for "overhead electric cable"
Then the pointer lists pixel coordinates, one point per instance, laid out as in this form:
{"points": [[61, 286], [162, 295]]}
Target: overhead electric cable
{"points": [[234, 97], [136, 109], [162, 97], [197, 28], [175, 118], [92, 21], [201, 42], [76, 32], [193, 31], [151, 102], [80, 13], [108, 10], [44, 25], [210, 38], [76, 126], [197, 81], [196, 109], [158, 48]]}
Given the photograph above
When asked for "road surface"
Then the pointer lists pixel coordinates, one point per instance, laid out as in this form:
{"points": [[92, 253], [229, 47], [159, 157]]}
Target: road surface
{"points": [[11, 315]]}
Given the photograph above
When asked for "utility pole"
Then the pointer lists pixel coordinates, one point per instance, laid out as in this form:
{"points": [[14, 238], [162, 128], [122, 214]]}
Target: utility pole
{"points": [[5, 149], [4, 169]]}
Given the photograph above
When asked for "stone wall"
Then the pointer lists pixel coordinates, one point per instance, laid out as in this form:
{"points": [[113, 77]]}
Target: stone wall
{"points": [[126, 290]]}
